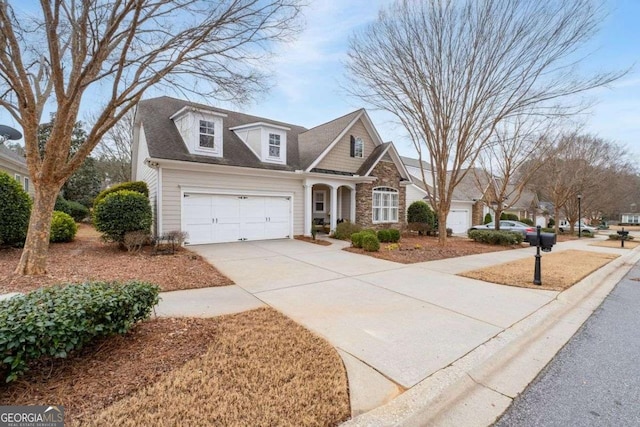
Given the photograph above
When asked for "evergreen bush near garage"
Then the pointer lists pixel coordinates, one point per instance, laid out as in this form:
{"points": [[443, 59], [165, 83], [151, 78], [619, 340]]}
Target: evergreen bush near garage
{"points": [[389, 235], [120, 212], [420, 212], [77, 210], [345, 229], [493, 237], [53, 322], [356, 239], [508, 217], [63, 228], [551, 223], [526, 221], [487, 218], [15, 209], [370, 243], [137, 186]]}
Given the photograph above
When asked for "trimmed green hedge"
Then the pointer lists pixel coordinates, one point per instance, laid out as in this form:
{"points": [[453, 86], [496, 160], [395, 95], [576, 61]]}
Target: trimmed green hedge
{"points": [[137, 186], [389, 235], [508, 217], [53, 322], [121, 212], [78, 211], [526, 221], [370, 242], [63, 228], [420, 212], [345, 229], [618, 237], [15, 209], [493, 237]]}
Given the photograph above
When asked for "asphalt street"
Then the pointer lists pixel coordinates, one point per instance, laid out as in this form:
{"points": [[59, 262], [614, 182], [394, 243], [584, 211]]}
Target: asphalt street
{"points": [[595, 379]]}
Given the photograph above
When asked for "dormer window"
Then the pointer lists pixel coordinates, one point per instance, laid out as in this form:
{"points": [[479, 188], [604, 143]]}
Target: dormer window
{"points": [[274, 145], [357, 147], [207, 134]]}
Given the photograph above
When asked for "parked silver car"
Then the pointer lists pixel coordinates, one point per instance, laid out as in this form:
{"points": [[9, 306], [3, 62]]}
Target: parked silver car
{"points": [[518, 226]]}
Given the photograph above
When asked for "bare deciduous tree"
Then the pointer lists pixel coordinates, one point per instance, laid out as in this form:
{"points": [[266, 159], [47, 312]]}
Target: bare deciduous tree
{"points": [[451, 70], [510, 160], [108, 54], [114, 151]]}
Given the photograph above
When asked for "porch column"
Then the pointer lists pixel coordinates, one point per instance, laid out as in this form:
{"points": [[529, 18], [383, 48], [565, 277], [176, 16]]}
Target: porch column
{"points": [[307, 209], [333, 200], [352, 205]]}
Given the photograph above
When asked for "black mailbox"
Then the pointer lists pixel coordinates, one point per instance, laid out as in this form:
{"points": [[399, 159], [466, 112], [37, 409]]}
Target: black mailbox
{"points": [[623, 234], [547, 240]]}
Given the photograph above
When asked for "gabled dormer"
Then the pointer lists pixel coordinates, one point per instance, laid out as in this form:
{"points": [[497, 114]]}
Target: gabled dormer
{"points": [[201, 130], [267, 141]]}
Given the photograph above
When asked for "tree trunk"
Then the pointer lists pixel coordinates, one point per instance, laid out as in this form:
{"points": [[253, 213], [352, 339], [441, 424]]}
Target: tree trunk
{"points": [[442, 227], [34, 255], [496, 221]]}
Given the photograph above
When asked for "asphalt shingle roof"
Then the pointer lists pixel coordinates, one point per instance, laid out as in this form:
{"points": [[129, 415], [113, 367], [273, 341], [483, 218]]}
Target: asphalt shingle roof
{"points": [[11, 155]]}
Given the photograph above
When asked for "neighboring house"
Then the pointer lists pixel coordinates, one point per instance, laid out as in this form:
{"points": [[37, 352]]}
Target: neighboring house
{"points": [[466, 209], [630, 218], [527, 206], [16, 166], [224, 176]]}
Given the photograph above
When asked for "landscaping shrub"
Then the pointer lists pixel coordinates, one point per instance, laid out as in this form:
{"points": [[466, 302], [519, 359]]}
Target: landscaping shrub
{"points": [[487, 218], [494, 237], [384, 236], [15, 208], [370, 243], [370, 231], [618, 237], [420, 212], [137, 186], [52, 322], [526, 221], [551, 223], [394, 235], [420, 227], [508, 217], [63, 228], [356, 239], [169, 242], [121, 212], [449, 232], [345, 229], [135, 240], [77, 210], [548, 230]]}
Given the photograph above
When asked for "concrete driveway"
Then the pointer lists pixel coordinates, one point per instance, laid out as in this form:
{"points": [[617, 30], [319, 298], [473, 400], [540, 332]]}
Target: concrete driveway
{"points": [[399, 323]]}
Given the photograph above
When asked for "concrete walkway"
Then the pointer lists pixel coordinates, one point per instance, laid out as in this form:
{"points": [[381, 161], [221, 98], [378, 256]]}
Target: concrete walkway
{"points": [[394, 325]]}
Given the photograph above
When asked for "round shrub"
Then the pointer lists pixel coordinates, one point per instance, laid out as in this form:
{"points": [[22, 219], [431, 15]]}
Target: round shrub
{"points": [[77, 210], [420, 211], [15, 209], [63, 228], [508, 217], [394, 235], [120, 212], [356, 239], [370, 243], [552, 223], [137, 186], [345, 229], [370, 231], [384, 236], [487, 218]]}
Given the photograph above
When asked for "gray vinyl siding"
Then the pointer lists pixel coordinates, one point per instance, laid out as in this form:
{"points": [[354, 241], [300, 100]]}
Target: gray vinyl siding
{"points": [[12, 170], [174, 179], [148, 175], [339, 158], [413, 194]]}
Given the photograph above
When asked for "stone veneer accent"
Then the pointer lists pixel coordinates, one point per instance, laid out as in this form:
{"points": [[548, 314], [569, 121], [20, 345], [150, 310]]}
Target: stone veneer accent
{"points": [[476, 213], [387, 176]]}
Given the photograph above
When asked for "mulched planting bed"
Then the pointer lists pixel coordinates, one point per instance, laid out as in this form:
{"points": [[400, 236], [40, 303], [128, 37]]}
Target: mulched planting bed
{"points": [[414, 249], [311, 240], [628, 244], [89, 258], [252, 368]]}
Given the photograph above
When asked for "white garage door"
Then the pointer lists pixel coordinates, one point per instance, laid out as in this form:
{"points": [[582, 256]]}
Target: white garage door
{"points": [[228, 218], [458, 220]]}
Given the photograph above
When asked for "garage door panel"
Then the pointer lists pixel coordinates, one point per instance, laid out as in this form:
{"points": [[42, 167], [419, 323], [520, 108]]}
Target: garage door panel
{"points": [[457, 220]]}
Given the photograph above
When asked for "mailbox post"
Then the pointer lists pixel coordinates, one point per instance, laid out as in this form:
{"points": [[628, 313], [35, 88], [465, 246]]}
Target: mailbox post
{"points": [[623, 236], [544, 242]]}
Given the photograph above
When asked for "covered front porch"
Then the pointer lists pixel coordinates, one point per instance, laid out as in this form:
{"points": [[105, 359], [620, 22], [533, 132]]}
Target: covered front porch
{"points": [[328, 202]]}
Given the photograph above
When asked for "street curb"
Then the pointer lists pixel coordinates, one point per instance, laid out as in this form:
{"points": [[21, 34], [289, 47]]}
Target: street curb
{"points": [[477, 388]]}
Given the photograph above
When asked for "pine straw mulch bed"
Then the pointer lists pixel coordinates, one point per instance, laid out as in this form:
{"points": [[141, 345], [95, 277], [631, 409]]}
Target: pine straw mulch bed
{"points": [[89, 258], [253, 368], [307, 239], [559, 270], [616, 244], [414, 249]]}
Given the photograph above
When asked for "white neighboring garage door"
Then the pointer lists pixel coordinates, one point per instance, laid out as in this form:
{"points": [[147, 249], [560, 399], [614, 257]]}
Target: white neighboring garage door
{"points": [[217, 218], [458, 220]]}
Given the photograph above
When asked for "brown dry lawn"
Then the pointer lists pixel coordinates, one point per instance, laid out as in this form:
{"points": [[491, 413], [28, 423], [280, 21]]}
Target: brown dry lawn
{"points": [[560, 270], [89, 258], [414, 249], [616, 244], [252, 368]]}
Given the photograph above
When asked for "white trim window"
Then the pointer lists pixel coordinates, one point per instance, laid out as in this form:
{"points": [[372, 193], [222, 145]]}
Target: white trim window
{"points": [[319, 201], [385, 204], [26, 184], [358, 148], [207, 134], [274, 145]]}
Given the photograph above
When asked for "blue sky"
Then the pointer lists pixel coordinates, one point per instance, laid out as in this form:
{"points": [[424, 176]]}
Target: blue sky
{"points": [[308, 74]]}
